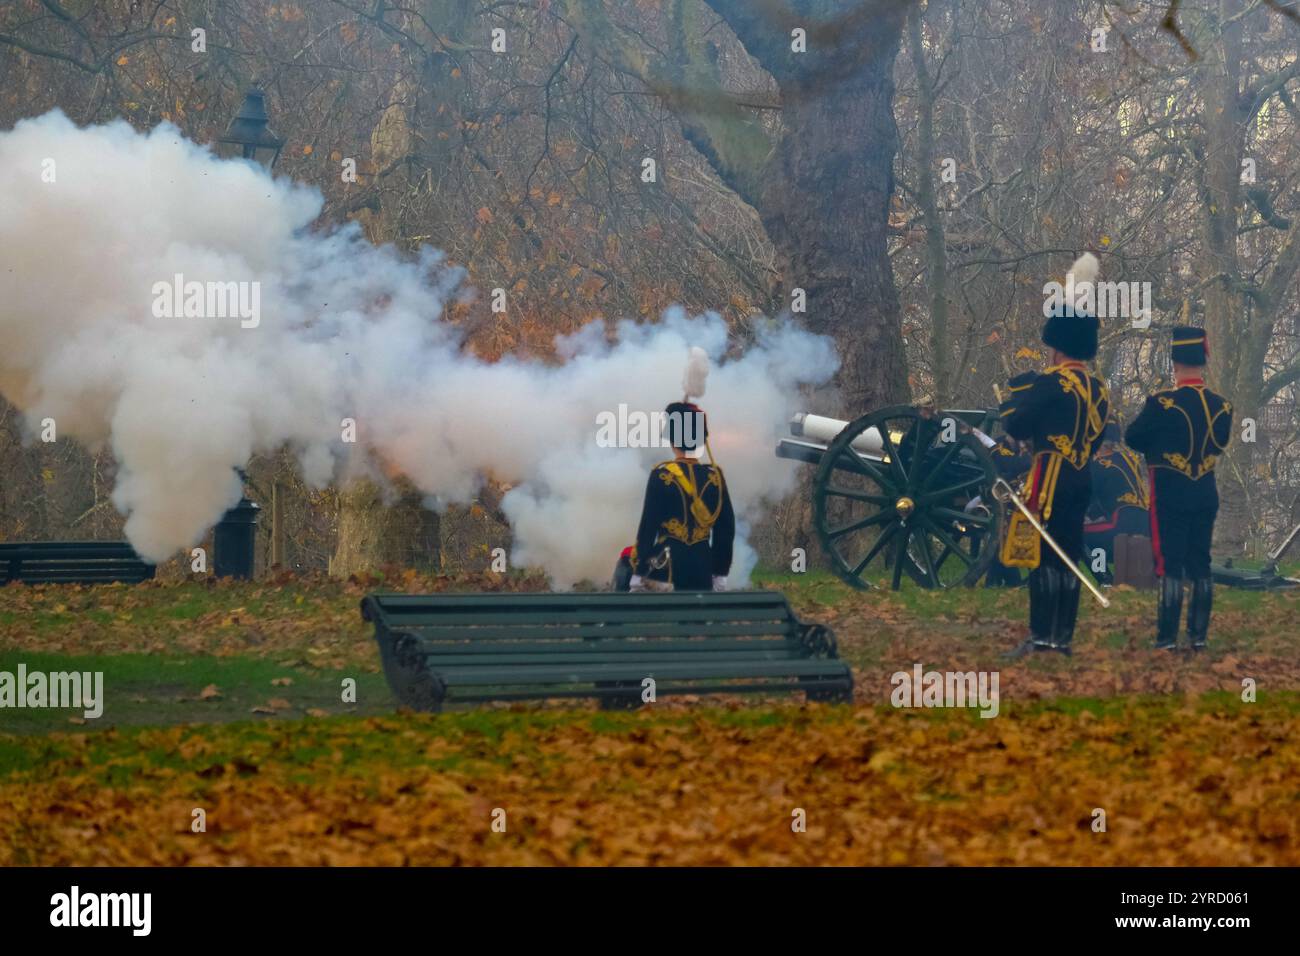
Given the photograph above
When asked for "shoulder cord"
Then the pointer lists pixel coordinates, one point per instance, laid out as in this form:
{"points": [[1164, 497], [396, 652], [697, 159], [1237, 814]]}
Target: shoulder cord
{"points": [[1209, 425]]}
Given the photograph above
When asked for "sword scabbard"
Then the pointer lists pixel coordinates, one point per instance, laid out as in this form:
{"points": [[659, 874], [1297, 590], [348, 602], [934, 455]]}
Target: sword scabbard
{"points": [[1002, 491]]}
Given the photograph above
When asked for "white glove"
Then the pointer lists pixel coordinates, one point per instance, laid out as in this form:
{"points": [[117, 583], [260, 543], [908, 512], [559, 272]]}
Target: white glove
{"points": [[635, 583], [719, 582]]}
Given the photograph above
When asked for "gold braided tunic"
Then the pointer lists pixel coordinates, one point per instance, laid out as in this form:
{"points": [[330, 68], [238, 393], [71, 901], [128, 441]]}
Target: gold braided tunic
{"points": [[687, 526]]}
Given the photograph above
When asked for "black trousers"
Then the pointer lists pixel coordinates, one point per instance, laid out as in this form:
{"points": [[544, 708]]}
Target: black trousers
{"points": [[1065, 523], [1180, 540], [1053, 588]]}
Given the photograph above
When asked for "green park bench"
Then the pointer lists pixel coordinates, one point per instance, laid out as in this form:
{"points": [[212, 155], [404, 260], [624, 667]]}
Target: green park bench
{"points": [[71, 562], [449, 648]]}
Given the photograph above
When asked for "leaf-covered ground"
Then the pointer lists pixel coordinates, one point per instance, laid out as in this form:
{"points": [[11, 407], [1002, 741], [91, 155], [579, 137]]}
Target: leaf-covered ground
{"points": [[226, 697], [1206, 783]]}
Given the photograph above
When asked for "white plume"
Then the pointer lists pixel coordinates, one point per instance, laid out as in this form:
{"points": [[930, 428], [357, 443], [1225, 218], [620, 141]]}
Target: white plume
{"points": [[695, 378], [347, 331], [1084, 270]]}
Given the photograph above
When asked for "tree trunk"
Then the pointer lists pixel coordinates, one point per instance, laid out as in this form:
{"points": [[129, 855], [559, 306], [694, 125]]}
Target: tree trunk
{"points": [[1230, 369], [373, 534], [825, 206], [411, 135], [936, 246], [822, 184]]}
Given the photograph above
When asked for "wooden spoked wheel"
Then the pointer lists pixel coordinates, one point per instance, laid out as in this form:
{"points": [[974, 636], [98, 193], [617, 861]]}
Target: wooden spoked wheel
{"points": [[899, 493]]}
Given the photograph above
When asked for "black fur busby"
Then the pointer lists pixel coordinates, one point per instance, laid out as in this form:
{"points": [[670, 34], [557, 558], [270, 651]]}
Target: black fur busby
{"points": [[1190, 347], [1070, 329], [1071, 334], [688, 426]]}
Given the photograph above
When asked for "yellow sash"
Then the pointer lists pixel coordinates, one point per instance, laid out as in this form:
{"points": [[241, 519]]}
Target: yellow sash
{"points": [[704, 518]]}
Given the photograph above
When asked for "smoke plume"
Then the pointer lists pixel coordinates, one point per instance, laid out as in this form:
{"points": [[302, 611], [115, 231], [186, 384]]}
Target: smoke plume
{"points": [[347, 330]]}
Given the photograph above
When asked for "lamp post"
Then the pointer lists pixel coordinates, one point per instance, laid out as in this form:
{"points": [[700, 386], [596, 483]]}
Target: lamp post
{"points": [[248, 136], [235, 535], [234, 540]]}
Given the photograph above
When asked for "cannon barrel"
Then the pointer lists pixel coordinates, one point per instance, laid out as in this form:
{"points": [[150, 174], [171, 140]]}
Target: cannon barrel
{"points": [[822, 431], [812, 434]]}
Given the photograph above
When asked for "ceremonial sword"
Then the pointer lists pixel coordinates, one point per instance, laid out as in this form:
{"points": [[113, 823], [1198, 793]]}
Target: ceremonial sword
{"points": [[1004, 492], [1286, 543]]}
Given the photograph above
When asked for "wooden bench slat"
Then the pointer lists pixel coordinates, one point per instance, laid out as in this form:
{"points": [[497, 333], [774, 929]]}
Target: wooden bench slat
{"points": [[105, 548], [534, 599], [561, 674], [541, 617], [841, 683], [72, 577], [77, 567], [450, 661], [562, 631], [609, 646]]}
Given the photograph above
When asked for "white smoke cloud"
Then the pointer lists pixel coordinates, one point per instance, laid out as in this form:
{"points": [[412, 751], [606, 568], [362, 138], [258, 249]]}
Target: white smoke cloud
{"points": [[347, 330]]}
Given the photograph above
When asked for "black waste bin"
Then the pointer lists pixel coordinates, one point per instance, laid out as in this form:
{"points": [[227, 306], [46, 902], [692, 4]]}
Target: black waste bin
{"points": [[233, 541]]}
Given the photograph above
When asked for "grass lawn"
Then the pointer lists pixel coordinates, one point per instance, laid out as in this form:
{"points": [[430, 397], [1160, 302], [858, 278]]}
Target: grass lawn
{"points": [[227, 698]]}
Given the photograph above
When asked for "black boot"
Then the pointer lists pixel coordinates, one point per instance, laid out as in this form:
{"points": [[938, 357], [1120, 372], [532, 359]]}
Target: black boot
{"points": [[1044, 595], [1170, 610], [1198, 612], [1067, 612]]}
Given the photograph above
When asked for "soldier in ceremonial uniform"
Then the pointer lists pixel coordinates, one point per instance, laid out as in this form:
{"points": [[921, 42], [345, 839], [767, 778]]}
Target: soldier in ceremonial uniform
{"points": [[687, 527], [1182, 431], [1013, 460], [1120, 499], [1062, 415]]}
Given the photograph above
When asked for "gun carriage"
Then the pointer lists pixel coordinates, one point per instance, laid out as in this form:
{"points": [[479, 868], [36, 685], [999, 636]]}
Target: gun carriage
{"points": [[902, 492]]}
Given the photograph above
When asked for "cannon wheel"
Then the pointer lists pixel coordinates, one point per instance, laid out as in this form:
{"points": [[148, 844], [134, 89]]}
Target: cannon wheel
{"points": [[903, 514]]}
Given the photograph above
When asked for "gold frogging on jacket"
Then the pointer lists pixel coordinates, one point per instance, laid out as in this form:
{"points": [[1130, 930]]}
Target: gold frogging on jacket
{"points": [[1182, 463], [676, 528], [1138, 494], [1092, 425], [1076, 447]]}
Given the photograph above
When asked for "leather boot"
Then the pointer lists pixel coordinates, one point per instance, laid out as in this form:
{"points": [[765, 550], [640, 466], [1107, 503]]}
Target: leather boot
{"points": [[1067, 612], [1044, 594], [1170, 610], [1198, 612]]}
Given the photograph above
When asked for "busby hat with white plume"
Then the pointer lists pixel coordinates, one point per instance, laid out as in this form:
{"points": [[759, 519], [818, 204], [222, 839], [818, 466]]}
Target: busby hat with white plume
{"points": [[688, 426], [696, 376], [1072, 328]]}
